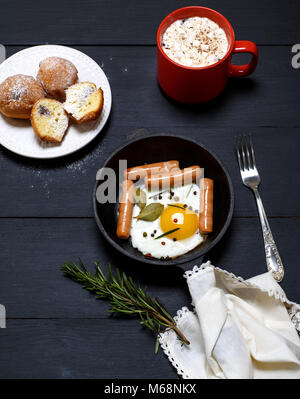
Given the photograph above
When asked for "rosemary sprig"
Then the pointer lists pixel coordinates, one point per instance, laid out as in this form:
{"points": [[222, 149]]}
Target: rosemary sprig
{"points": [[167, 233], [189, 191], [156, 195], [124, 296]]}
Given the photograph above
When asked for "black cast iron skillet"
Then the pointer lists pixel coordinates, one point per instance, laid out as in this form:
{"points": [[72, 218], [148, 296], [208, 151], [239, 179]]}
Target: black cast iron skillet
{"points": [[159, 148]]}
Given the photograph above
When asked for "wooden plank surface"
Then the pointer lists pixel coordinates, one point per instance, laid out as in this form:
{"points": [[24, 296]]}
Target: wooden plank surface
{"points": [[33, 249], [63, 187], [268, 98], [55, 329], [265, 105], [136, 22], [80, 348]]}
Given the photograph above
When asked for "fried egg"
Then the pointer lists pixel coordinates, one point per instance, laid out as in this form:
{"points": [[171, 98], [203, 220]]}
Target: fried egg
{"points": [[180, 215]]}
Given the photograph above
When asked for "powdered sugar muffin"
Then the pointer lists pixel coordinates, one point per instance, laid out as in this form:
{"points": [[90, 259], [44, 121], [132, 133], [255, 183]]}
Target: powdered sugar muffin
{"points": [[56, 75], [49, 120], [84, 102], [18, 93]]}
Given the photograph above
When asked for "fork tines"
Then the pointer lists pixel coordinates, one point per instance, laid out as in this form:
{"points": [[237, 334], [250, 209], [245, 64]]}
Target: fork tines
{"points": [[245, 152]]}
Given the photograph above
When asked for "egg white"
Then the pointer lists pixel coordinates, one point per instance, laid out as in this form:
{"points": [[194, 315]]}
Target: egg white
{"points": [[188, 194]]}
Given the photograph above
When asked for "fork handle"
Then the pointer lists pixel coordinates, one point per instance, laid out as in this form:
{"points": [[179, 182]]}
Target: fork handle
{"points": [[274, 263]]}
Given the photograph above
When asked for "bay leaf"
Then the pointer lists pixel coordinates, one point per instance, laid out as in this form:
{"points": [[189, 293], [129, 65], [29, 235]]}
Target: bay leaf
{"points": [[151, 212], [140, 198]]}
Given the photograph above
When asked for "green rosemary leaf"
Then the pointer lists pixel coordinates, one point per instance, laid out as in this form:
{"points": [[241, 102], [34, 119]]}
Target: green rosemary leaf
{"points": [[167, 233], [163, 309], [189, 191], [156, 195], [118, 275], [156, 346], [124, 296], [149, 320]]}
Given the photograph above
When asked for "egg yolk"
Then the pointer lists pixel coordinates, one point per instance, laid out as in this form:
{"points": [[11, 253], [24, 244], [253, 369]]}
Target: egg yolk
{"points": [[177, 216]]}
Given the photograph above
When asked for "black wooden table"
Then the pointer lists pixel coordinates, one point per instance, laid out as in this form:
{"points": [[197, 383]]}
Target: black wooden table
{"points": [[54, 328]]}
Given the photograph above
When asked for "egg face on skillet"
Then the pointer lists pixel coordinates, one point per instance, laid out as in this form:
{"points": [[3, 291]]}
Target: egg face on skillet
{"points": [[180, 215]]}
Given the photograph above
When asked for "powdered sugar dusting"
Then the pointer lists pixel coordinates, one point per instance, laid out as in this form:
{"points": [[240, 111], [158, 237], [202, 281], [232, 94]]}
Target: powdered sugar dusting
{"points": [[56, 62], [85, 93], [77, 97], [18, 86], [57, 73], [17, 92], [88, 161]]}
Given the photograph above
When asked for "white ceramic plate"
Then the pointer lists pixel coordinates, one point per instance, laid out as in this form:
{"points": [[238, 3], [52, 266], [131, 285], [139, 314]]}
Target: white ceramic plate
{"points": [[18, 136]]}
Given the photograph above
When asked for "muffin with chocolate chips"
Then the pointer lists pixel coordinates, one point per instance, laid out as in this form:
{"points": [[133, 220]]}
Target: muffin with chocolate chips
{"points": [[84, 102], [18, 94], [49, 120]]}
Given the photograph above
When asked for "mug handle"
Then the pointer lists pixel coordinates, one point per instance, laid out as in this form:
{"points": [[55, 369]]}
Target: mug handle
{"points": [[243, 46]]}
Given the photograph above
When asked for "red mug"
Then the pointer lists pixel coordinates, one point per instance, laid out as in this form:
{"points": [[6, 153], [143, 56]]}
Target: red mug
{"points": [[201, 84]]}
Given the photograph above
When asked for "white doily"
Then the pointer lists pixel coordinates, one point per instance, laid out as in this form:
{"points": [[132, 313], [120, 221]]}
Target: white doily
{"points": [[236, 327]]}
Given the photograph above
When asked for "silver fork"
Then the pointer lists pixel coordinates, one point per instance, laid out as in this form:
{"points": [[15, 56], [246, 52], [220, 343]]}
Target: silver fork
{"points": [[251, 179]]}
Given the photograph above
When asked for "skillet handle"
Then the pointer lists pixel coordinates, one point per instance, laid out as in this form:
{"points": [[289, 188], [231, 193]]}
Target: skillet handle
{"points": [[189, 265]]}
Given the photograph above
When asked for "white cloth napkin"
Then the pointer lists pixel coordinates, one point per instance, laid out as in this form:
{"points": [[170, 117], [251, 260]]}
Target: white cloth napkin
{"points": [[239, 328]]}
